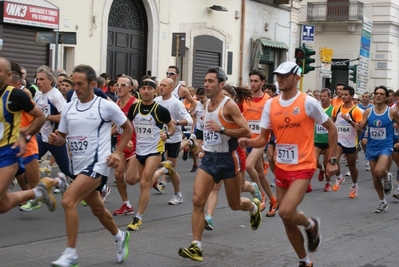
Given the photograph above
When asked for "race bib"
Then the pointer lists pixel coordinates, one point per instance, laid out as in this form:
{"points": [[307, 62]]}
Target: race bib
{"points": [[378, 133], [187, 129], [45, 108], [287, 153], [144, 129], [254, 126], [79, 145], [212, 138], [320, 129], [344, 130]]}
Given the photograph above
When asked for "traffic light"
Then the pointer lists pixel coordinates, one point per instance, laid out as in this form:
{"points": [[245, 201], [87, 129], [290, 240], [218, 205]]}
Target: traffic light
{"points": [[308, 59], [353, 73], [300, 57]]}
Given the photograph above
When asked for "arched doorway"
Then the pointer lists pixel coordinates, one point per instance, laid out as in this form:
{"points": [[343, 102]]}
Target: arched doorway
{"points": [[127, 39]]}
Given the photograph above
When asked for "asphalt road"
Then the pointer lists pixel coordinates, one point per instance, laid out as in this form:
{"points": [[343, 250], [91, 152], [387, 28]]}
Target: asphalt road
{"points": [[353, 235]]}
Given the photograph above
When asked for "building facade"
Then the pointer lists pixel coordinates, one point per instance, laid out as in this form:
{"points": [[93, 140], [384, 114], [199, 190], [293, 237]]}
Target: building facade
{"points": [[339, 25], [143, 37]]}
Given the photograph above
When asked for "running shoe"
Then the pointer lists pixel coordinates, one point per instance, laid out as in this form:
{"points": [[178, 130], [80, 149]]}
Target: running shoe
{"points": [[66, 260], [45, 170], [57, 190], [321, 175], [30, 205], [327, 187], [84, 203], [48, 198], [62, 182], [208, 222], [135, 225], [256, 218], [122, 247], [176, 199], [13, 183], [169, 166], [367, 163], [353, 192], [124, 210], [194, 145], [273, 184], [194, 169], [185, 153], [381, 208], [338, 183], [396, 194], [161, 187], [193, 252], [155, 186], [303, 264], [314, 236], [105, 192], [368, 168], [388, 184], [348, 173], [273, 208], [256, 193]]}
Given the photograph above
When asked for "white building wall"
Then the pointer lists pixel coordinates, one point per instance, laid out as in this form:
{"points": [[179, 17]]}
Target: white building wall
{"points": [[89, 19], [346, 44]]}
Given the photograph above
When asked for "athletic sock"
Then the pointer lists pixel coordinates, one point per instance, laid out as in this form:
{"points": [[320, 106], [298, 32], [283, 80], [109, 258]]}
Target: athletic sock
{"points": [[38, 193], [311, 224]]}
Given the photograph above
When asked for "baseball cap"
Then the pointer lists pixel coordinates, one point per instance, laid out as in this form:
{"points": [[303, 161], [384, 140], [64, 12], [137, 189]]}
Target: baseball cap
{"points": [[288, 67]]}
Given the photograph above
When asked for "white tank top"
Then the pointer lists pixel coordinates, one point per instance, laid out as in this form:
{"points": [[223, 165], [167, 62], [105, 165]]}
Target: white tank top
{"points": [[89, 137], [213, 141]]}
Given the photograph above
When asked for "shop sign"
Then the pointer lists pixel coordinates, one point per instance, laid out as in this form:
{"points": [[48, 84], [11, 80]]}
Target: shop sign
{"points": [[23, 14]]}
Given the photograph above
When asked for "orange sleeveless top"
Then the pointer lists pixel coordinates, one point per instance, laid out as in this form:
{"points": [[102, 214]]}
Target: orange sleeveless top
{"points": [[252, 112], [294, 135]]}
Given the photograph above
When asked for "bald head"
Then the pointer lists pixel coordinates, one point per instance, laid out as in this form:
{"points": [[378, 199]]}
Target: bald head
{"points": [[5, 71], [166, 87], [4, 62]]}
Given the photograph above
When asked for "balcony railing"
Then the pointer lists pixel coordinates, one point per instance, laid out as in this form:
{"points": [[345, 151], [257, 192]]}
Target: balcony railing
{"points": [[335, 11]]}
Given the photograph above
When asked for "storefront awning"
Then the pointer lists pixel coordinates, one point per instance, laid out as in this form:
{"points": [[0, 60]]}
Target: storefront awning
{"points": [[274, 44]]}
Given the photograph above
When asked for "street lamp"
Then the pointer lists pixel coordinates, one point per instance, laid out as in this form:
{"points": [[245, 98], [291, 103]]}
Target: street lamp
{"points": [[217, 8]]}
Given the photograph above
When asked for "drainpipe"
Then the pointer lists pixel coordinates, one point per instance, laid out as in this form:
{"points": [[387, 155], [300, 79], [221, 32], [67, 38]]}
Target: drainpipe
{"points": [[242, 42]]}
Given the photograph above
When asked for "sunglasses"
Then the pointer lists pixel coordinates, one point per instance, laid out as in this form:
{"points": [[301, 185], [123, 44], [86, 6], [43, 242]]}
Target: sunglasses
{"points": [[170, 73], [122, 85]]}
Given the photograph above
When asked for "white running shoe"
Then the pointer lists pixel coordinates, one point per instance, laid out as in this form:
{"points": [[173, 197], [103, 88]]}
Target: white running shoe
{"points": [[348, 173], [176, 199], [122, 247], [105, 192], [66, 260]]}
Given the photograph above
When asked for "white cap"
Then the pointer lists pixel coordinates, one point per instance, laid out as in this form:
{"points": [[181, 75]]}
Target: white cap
{"points": [[288, 67]]}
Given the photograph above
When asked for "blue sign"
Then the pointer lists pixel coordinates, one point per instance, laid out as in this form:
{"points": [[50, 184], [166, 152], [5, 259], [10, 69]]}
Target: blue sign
{"points": [[308, 33]]}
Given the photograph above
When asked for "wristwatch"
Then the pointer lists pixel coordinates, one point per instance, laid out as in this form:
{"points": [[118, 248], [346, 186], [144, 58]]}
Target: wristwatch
{"points": [[27, 137], [167, 135], [177, 122], [222, 129], [333, 161]]}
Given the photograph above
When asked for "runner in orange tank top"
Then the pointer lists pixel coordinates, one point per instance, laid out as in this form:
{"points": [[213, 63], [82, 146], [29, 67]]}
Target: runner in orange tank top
{"points": [[291, 116], [252, 112]]}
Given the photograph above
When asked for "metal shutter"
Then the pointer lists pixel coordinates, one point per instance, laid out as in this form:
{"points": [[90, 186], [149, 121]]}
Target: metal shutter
{"points": [[19, 46], [203, 60]]}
